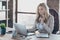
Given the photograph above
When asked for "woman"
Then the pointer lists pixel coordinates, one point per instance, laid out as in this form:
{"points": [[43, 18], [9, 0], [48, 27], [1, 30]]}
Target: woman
{"points": [[44, 22]]}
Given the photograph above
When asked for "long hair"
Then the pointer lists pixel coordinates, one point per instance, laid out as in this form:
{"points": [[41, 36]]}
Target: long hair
{"points": [[45, 14]]}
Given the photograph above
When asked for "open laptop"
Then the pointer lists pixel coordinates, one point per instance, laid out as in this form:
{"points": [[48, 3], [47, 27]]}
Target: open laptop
{"points": [[20, 28]]}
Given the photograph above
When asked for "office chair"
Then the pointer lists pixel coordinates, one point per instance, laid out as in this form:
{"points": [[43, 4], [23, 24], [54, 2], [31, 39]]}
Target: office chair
{"points": [[56, 20]]}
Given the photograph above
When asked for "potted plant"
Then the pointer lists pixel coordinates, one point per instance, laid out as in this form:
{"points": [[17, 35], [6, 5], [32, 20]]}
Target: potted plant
{"points": [[3, 28]]}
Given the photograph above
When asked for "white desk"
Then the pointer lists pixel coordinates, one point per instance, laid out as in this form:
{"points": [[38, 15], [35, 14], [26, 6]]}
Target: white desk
{"points": [[52, 37]]}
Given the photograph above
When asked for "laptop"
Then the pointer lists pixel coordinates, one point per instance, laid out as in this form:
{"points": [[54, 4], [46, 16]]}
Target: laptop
{"points": [[20, 28]]}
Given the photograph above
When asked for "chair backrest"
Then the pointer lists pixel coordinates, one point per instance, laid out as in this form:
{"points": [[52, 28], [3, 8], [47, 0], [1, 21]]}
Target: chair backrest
{"points": [[20, 28], [56, 20]]}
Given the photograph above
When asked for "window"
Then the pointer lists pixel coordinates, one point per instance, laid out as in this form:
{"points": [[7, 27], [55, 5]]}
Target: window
{"points": [[28, 5]]}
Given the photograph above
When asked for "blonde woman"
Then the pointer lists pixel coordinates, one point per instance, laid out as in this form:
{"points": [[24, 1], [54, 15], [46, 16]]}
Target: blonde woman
{"points": [[44, 22]]}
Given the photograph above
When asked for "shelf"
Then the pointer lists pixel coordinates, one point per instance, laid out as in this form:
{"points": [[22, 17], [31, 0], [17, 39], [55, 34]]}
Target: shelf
{"points": [[2, 0], [4, 10]]}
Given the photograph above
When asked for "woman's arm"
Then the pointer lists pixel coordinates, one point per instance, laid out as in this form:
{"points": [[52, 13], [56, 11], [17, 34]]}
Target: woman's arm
{"points": [[50, 26]]}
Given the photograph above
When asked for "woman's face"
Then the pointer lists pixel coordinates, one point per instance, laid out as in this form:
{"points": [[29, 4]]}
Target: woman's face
{"points": [[41, 10]]}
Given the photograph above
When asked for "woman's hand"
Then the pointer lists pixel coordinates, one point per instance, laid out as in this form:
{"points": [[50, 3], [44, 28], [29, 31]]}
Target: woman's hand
{"points": [[41, 20]]}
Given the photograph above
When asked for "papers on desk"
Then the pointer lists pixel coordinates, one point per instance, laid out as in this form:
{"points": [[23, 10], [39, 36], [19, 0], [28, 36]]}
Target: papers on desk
{"points": [[30, 34], [31, 38], [42, 35]]}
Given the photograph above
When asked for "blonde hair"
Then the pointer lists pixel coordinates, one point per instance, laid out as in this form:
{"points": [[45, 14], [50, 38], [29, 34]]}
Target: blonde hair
{"points": [[46, 13]]}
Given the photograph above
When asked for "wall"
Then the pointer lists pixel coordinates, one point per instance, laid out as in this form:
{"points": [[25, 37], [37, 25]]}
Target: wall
{"points": [[54, 4]]}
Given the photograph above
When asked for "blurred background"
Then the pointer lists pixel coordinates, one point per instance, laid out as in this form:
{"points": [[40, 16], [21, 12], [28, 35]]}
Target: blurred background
{"points": [[24, 11]]}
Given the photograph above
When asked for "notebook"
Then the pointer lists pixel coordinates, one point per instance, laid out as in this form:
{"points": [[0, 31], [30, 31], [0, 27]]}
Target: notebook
{"points": [[42, 35]]}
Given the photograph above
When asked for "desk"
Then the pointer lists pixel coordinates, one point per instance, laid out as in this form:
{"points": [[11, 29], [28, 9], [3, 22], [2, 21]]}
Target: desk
{"points": [[52, 37], [31, 38], [8, 37]]}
